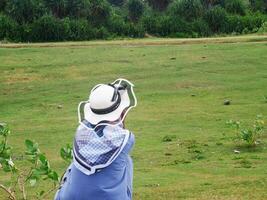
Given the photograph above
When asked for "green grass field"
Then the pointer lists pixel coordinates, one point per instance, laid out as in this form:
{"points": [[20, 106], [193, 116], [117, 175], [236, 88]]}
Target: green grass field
{"points": [[180, 85]]}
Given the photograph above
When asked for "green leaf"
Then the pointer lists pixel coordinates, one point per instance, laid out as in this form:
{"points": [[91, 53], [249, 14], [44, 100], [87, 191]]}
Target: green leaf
{"points": [[4, 130], [43, 159], [29, 144], [53, 175], [66, 153]]}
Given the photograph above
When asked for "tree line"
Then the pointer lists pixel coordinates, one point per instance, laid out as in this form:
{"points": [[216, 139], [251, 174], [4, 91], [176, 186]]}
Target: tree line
{"points": [[77, 20]]}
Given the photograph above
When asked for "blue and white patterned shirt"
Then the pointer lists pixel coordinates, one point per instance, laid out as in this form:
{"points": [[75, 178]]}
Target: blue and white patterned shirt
{"points": [[98, 148]]}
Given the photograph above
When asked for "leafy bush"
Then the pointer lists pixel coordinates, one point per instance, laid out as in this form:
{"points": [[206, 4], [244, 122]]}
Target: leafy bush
{"points": [[201, 27], [263, 29], [98, 12], [151, 23], [243, 24], [8, 28], [26, 10], [78, 30], [117, 25], [258, 5], [250, 135], [235, 7], [38, 167], [49, 28], [101, 33], [116, 2], [187, 9], [2, 5], [216, 18], [159, 5], [136, 9], [170, 26], [134, 30]]}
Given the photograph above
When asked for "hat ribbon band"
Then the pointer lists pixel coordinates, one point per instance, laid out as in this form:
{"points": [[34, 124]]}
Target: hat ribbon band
{"points": [[109, 109]]}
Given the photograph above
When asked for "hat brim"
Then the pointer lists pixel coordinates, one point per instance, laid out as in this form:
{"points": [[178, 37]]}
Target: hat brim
{"points": [[128, 101]]}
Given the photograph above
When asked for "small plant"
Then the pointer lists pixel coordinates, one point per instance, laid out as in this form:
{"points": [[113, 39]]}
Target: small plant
{"points": [[37, 169], [168, 138], [66, 153], [249, 135]]}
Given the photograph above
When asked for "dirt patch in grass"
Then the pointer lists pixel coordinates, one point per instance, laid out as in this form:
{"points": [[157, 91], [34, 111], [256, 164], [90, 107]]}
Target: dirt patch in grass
{"points": [[20, 76], [144, 42]]}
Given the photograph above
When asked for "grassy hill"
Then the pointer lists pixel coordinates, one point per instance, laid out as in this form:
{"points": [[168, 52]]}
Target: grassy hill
{"points": [[181, 86]]}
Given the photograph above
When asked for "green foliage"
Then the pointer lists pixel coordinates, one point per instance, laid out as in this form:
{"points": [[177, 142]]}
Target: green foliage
{"points": [[38, 167], [117, 25], [8, 28], [159, 5], [117, 2], [250, 135], [235, 7], [263, 29], [2, 5], [258, 5], [98, 12], [77, 8], [25, 11], [78, 30], [201, 27], [48, 28], [168, 138], [167, 26], [216, 18], [78, 20], [135, 9], [57, 8], [66, 153], [6, 162], [187, 9]]}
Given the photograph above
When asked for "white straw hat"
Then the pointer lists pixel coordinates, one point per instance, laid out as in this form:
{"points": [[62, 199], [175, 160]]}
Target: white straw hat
{"points": [[108, 104]]}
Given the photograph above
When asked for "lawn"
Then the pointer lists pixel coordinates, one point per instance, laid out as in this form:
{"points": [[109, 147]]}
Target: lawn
{"points": [[181, 86]]}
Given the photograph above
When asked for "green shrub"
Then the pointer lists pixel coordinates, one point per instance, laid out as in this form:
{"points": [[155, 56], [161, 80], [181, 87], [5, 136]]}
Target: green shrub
{"points": [[135, 30], [263, 29], [136, 9], [187, 9], [8, 28], [49, 28], [2, 5], [243, 24], [101, 33], [98, 12], [116, 2], [252, 22], [117, 25], [78, 30], [251, 135], [25, 10], [201, 28], [159, 5], [258, 5], [216, 18], [235, 7], [151, 24], [234, 24]]}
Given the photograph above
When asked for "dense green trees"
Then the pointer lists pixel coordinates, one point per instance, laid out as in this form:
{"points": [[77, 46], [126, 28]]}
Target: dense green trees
{"points": [[61, 20]]}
